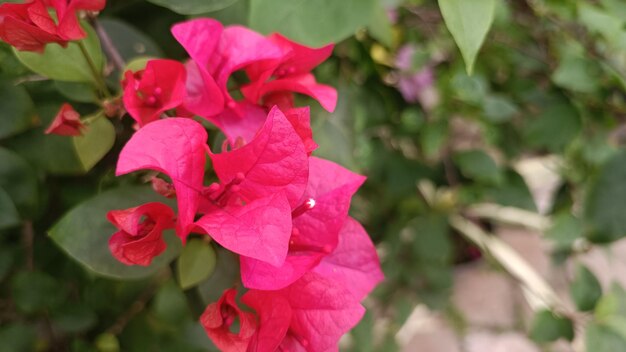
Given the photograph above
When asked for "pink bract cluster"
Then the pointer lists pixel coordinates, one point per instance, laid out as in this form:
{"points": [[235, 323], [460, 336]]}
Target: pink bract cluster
{"points": [[305, 263]]}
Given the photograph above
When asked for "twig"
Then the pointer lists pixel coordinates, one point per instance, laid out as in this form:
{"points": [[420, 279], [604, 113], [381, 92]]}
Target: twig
{"points": [[97, 76], [510, 215], [28, 237], [112, 53]]}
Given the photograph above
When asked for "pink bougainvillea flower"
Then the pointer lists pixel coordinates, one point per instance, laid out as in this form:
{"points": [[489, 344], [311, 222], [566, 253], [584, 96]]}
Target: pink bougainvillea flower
{"points": [[138, 241], [240, 121], [290, 74], [316, 225], [218, 318], [259, 229], [150, 92], [300, 119], [175, 147], [354, 263], [275, 160], [66, 122], [268, 175], [320, 313]]}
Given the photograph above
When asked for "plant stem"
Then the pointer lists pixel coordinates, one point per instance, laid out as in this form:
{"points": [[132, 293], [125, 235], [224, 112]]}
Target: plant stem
{"points": [[110, 49], [94, 71], [28, 237]]}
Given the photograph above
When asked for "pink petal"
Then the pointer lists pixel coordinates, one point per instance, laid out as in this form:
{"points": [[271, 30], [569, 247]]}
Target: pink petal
{"points": [[217, 320], [274, 161], [303, 59], [175, 147], [241, 121], [300, 119], [259, 230], [274, 316], [354, 264]]}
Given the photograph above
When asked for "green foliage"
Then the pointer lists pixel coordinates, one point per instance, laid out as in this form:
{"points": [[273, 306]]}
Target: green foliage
{"points": [[585, 289], [194, 7], [547, 327], [313, 23], [195, 264], [469, 23], [18, 112], [95, 142]]}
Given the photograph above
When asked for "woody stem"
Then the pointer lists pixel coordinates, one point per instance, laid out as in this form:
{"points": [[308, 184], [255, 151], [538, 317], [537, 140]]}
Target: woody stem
{"points": [[110, 49], [94, 70]]}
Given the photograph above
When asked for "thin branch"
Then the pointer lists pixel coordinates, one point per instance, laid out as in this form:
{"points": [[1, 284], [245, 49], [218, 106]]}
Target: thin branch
{"points": [[112, 53], [28, 237]]}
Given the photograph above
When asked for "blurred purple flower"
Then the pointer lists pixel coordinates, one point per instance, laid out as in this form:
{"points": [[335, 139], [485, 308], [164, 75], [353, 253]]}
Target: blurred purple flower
{"points": [[415, 84]]}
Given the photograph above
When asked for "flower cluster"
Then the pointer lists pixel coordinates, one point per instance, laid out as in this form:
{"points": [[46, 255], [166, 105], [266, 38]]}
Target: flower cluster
{"points": [[29, 26], [305, 263]]}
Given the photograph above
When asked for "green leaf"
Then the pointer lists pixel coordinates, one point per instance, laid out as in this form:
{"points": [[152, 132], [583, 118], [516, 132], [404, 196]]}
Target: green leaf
{"points": [[380, 26], [95, 143], [513, 191], [499, 108], [66, 64], [19, 181], [547, 327], [170, 304], [313, 23], [18, 337], [565, 230], [585, 290], [77, 91], [601, 338], [129, 41], [18, 112], [478, 165], [74, 318], [196, 263], [36, 291], [557, 116], [84, 233], [107, 342], [611, 305], [194, 7], [469, 23], [577, 74], [9, 216], [606, 201], [225, 276]]}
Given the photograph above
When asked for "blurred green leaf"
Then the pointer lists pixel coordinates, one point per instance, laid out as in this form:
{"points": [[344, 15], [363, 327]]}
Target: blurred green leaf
{"points": [[107, 342], [469, 23], [170, 304], [380, 26], [19, 181], [35, 291], [585, 289], [577, 74], [225, 276], [84, 233], [194, 7], [74, 318], [561, 117], [547, 327], [129, 41], [478, 165], [18, 337], [18, 112], [606, 199], [9, 216], [499, 108], [196, 263], [313, 23], [66, 64], [565, 230], [96, 141], [512, 191], [600, 338]]}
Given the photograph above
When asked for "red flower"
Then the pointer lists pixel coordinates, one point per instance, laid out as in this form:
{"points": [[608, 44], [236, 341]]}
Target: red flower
{"points": [[66, 122], [138, 242], [218, 318], [29, 26], [150, 92]]}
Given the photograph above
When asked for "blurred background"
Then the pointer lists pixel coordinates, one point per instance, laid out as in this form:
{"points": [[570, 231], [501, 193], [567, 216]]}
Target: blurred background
{"points": [[496, 199]]}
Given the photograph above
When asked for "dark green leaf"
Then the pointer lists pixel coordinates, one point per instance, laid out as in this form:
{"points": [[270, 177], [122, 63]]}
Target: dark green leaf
{"points": [[18, 112], [606, 201], [478, 165], [561, 117], [585, 289], [9, 216], [499, 108], [84, 233], [96, 141], [577, 74], [76, 91], [19, 181], [226, 275], [129, 41], [74, 318], [194, 7], [36, 291], [313, 23], [195, 264], [469, 23], [18, 337], [66, 64], [170, 304], [547, 327]]}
